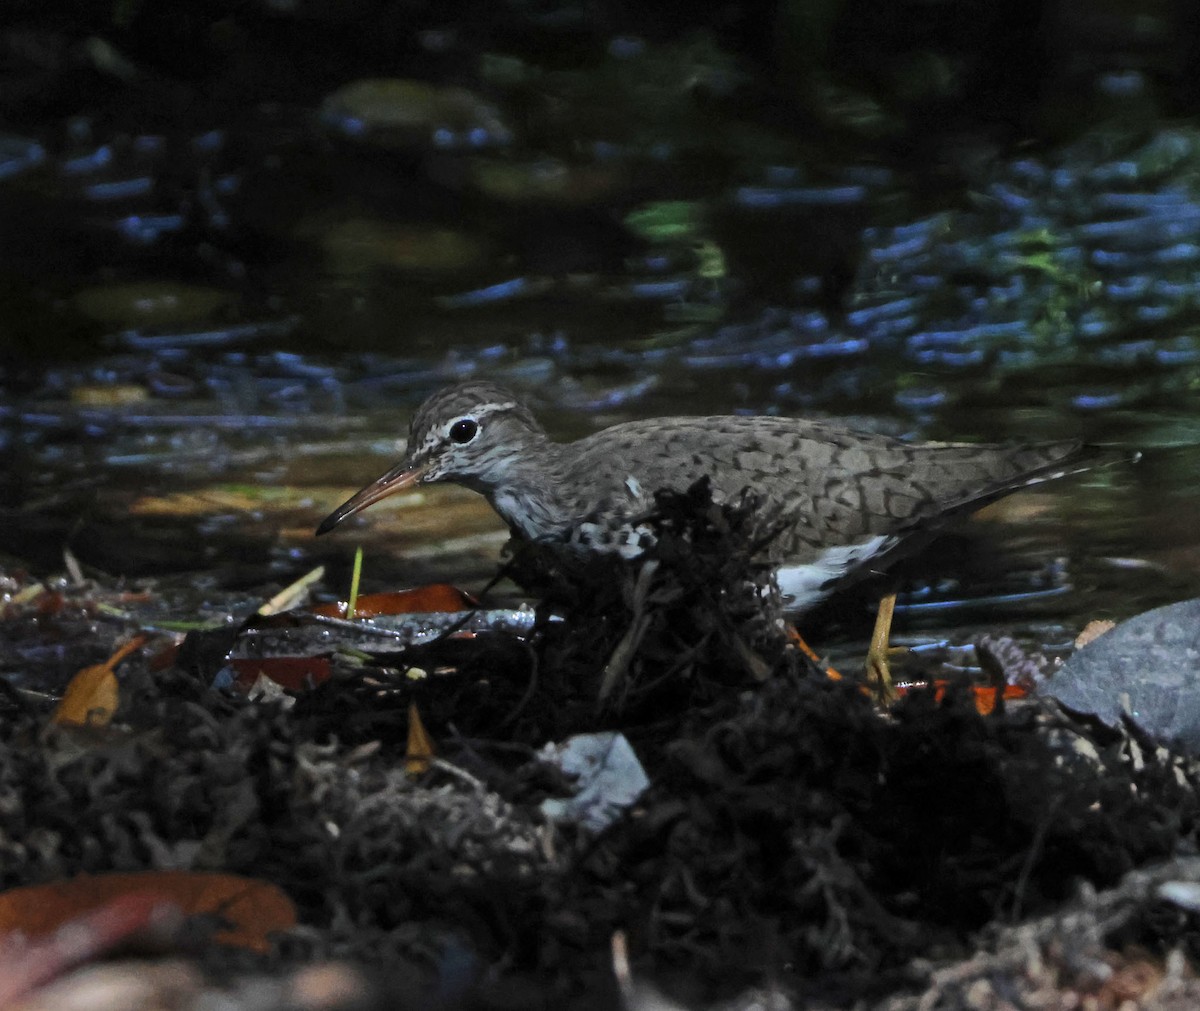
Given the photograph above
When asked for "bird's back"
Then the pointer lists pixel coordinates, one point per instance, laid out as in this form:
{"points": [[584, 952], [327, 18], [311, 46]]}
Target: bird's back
{"points": [[820, 485]]}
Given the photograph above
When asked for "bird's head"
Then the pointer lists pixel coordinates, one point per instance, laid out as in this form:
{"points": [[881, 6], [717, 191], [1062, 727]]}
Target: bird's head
{"points": [[473, 433]]}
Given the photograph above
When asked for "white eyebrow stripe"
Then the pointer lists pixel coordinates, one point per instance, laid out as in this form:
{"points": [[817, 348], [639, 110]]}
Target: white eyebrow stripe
{"points": [[482, 409]]}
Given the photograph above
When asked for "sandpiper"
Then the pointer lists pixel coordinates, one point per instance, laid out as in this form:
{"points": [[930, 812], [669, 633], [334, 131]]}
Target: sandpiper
{"points": [[843, 504]]}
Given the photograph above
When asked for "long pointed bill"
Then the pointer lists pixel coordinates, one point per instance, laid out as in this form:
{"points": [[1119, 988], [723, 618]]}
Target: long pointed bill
{"points": [[400, 477]]}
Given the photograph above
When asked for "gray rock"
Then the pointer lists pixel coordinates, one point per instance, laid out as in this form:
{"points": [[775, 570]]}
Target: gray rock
{"points": [[1148, 669]]}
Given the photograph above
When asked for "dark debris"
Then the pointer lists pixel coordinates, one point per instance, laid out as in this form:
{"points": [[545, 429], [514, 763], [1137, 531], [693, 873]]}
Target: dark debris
{"points": [[699, 615], [792, 834]]}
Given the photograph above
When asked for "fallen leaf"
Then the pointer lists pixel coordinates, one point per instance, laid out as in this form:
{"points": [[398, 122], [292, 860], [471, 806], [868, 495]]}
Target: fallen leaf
{"points": [[985, 695], [91, 695], [1092, 631], [436, 597], [420, 744], [251, 909], [296, 673], [27, 962]]}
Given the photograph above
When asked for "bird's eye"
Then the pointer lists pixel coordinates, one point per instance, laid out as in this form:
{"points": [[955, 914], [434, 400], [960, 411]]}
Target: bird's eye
{"points": [[464, 430]]}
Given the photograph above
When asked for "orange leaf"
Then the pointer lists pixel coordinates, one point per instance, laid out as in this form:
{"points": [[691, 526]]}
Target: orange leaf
{"points": [[252, 909], [295, 673], [420, 744], [985, 695], [436, 597], [27, 963], [796, 640], [91, 696]]}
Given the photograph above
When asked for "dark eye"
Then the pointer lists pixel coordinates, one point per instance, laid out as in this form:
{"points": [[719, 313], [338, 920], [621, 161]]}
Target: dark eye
{"points": [[464, 430]]}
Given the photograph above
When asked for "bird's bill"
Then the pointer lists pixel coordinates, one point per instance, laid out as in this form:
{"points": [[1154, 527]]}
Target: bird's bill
{"points": [[402, 476]]}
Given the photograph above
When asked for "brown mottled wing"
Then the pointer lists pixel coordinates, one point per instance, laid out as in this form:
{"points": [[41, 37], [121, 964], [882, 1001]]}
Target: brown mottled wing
{"points": [[826, 485], [885, 487]]}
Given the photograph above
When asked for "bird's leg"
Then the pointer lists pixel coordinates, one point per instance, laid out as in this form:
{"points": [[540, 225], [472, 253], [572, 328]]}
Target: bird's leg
{"points": [[879, 674], [879, 679], [796, 641]]}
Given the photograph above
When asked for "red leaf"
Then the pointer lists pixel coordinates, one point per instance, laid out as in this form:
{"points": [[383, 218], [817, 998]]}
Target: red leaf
{"points": [[435, 597], [296, 673], [253, 909]]}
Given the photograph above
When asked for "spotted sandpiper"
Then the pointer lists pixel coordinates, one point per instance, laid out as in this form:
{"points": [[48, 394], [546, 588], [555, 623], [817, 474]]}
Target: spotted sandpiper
{"points": [[843, 504]]}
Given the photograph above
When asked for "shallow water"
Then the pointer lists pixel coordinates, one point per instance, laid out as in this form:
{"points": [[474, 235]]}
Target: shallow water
{"points": [[218, 323]]}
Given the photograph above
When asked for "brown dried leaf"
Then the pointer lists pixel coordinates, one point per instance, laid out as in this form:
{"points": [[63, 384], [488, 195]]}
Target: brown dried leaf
{"points": [[420, 744], [1092, 631], [91, 697]]}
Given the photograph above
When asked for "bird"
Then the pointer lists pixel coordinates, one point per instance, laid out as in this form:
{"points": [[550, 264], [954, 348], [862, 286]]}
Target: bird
{"points": [[841, 504], [845, 503]]}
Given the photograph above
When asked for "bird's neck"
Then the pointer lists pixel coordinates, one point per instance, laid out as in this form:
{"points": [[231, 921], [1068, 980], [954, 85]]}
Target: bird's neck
{"points": [[526, 492]]}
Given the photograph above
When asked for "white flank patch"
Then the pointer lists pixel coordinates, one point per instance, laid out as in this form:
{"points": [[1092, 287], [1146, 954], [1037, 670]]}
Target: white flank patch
{"points": [[805, 586]]}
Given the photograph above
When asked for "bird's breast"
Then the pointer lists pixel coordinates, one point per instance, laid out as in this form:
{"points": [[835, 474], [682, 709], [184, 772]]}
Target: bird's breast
{"points": [[531, 516]]}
